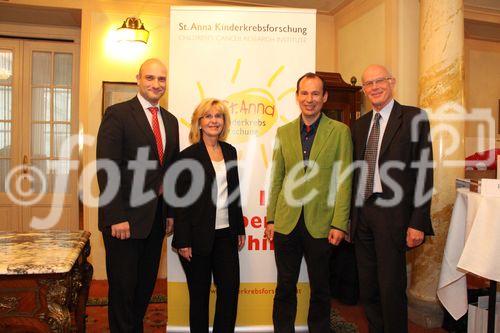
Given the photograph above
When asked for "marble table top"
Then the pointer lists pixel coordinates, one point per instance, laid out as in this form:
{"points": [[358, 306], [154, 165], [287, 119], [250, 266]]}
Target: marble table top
{"points": [[45, 252]]}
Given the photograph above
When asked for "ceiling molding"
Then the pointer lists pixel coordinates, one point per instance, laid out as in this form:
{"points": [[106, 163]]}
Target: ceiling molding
{"points": [[482, 30], [40, 15], [481, 14], [244, 3], [297, 4], [340, 7], [483, 4]]}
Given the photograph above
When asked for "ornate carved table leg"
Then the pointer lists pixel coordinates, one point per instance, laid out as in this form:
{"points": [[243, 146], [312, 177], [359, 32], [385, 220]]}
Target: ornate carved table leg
{"points": [[57, 316], [86, 271]]}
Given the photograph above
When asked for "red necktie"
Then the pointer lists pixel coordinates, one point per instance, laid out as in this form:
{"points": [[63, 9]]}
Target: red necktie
{"points": [[156, 132]]}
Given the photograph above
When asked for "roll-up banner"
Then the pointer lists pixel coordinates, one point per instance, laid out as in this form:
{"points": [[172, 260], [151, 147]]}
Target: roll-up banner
{"points": [[251, 58]]}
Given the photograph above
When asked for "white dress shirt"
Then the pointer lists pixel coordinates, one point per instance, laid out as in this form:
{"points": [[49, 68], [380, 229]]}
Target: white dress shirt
{"points": [[145, 105], [384, 117], [221, 214]]}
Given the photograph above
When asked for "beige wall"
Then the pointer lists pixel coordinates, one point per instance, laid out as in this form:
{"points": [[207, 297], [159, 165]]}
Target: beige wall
{"points": [[408, 51], [482, 77], [360, 36], [324, 43], [379, 32]]}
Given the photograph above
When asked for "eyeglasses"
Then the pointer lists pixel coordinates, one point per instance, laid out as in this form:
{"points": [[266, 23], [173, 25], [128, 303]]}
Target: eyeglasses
{"points": [[376, 82], [210, 116]]}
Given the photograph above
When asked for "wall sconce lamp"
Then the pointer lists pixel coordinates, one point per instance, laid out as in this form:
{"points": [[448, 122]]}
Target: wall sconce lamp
{"points": [[132, 30]]}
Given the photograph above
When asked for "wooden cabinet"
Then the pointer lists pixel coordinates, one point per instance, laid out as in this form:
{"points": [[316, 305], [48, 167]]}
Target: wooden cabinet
{"points": [[344, 99]]}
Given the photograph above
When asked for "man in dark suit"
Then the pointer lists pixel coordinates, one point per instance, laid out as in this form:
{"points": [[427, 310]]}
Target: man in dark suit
{"points": [[137, 141], [391, 198]]}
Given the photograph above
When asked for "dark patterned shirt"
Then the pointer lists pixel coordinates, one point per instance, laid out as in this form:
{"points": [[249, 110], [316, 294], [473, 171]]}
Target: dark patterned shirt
{"points": [[307, 134]]}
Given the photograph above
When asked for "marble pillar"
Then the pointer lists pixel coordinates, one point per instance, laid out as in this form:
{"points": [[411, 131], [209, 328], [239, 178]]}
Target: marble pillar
{"points": [[441, 83]]}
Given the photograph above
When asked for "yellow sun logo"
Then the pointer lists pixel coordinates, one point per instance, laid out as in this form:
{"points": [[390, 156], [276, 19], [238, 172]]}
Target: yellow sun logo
{"points": [[253, 111]]}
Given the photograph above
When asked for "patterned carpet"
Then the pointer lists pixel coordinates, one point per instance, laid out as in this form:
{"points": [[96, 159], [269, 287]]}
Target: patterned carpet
{"points": [[339, 325], [156, 316], [343, 318], [156, 320]]}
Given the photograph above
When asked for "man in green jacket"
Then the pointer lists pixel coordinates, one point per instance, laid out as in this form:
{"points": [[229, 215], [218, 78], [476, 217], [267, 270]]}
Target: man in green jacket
{"points": [[309, 202]]}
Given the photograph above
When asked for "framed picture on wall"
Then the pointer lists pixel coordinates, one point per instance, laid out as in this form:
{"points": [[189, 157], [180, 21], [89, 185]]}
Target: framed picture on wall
{"points": [[116, 92]]}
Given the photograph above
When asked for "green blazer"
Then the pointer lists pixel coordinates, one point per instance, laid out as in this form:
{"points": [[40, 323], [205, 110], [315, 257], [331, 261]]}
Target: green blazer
{"points": [[318, 188]]}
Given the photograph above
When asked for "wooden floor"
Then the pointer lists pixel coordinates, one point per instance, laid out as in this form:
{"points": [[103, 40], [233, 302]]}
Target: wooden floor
{"points": [[156, 317]]}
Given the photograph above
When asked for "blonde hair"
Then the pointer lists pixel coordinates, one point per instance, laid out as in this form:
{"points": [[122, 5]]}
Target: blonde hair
{"points": [[201, 110]]}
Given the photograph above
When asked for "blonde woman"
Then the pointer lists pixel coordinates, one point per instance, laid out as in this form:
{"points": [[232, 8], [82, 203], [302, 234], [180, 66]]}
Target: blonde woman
{"points": [[209, 232]]}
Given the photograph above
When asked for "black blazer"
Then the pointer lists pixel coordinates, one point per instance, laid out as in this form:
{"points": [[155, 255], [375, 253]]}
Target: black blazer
{"points": [[397, 145], [195, 224], [124, 129]]}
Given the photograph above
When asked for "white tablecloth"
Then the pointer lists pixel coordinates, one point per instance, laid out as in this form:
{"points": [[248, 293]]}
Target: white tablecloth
{"points": [[472, 245]]}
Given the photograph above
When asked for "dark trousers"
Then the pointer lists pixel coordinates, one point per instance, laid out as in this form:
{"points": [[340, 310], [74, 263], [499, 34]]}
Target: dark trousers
{"points": [[288, 252], [381, 258], [344, 284], [132, 267], [223, 263]]}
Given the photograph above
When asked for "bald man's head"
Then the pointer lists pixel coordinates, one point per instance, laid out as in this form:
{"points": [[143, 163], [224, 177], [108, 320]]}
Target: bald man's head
{"points": [[151, 61], [378, 85], [377, 70], [152, 80]]}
